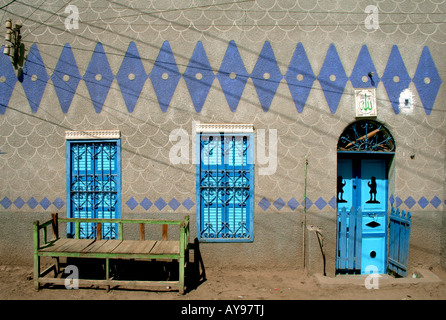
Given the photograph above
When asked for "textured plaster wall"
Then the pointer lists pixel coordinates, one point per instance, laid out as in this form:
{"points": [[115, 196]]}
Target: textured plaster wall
{"points": [[197, 34]]}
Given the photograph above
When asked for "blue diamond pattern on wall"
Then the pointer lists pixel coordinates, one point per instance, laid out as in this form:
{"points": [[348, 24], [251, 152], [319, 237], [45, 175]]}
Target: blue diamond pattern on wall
{"points": [[131, 77], [188, 204], [333, 202], [266, 76], [264, 204], [364, 65], [34, 78], [410, 202], [66, 78], [300, 77], [427, 80], [165, 76], [146, 203], [435, 202], [332, 78], [98, 77], [45, 203], [395, 78], [6, 203], [131, 203], [293, 204], [320, 203], [423, 202], [199, 76], [32, 203], [160, 204], [232, 76], [19, 202], [279, 203], [8, 80], [174, 204], [59, 203]]}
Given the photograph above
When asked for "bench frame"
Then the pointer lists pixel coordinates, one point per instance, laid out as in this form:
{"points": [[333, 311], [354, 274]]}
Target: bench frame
{"points": [[53, 248]]}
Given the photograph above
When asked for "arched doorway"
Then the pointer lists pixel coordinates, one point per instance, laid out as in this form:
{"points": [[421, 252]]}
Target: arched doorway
{"points": [[365, 151]]}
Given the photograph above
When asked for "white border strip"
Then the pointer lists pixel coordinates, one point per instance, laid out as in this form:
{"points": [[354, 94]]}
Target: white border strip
{"points": [[224, 127], [92, 134]]}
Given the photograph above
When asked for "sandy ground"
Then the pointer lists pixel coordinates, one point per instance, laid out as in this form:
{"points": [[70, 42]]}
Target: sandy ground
{"points": [[16, 283]]}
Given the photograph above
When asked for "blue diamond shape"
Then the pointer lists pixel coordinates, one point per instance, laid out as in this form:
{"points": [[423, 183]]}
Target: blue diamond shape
{"points": [[188, 204], [131, 203], [160, 203], [174, 204], [395, 68], [19, 202], [293, 204], [409, 202], [320, 203], [34, 78], [391, 200], [32, 203], [423, 202], [309, 203], [266, 76], [98, 77], [10, 79], [426, 70], [45, 203], [333, 202], [398, 201], [6, 203], [66, 78], [146, 203], [131, 77], [264, 204], [232, 76], [199, 76], [332, 78], [165, 76], [300, 77], [58, 203], [435, 202], [279, 203], [363, 66]]}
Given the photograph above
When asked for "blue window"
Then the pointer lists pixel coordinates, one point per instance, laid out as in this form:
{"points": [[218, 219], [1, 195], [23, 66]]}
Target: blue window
{"points": [[94, 185], [225, 187]]}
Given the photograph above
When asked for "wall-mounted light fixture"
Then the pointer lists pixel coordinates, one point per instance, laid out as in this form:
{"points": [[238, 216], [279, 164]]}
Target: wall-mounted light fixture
{"points": [[13, 47]]}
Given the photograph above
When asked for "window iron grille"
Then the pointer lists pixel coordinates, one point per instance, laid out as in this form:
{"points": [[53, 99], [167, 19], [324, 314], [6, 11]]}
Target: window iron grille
{"points": [[94, 186], [225, 187]]}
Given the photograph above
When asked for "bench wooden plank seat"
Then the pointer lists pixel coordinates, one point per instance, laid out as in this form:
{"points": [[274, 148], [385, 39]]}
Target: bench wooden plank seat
{"points": [[110, 249]]}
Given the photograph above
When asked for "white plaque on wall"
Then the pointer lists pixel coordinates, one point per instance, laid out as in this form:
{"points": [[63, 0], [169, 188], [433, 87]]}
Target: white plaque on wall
{"points": [[365, 100]]}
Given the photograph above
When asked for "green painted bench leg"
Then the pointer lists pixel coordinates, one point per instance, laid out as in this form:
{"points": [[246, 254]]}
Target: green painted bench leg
{"points": [[107, 272], [181, 275], [36, 272]]}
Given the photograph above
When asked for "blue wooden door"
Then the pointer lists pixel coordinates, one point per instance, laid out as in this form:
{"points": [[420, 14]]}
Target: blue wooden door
{"points": [[362, 183]]}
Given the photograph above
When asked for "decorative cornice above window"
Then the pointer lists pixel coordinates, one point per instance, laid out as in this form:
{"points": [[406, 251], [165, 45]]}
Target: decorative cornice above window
{"points": [[92, 134], [224, 127]]}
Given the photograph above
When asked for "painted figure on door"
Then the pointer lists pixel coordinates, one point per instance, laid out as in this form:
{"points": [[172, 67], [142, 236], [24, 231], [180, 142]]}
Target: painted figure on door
{"points": [[372, 186], [340, 187]]}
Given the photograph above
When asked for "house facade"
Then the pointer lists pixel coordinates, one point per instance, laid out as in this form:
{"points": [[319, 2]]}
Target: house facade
{"points": [[258, 119]]}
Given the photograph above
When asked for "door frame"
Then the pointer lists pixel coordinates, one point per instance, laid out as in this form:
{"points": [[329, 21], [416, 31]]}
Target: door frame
{"points": [[366, 139]]}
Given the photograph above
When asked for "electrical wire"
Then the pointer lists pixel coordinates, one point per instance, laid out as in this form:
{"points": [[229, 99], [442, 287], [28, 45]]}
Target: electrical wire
{"points": [[4, 6]]}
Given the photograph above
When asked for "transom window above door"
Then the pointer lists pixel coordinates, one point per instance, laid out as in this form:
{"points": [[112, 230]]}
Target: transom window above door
{"points": [[366, 136]]}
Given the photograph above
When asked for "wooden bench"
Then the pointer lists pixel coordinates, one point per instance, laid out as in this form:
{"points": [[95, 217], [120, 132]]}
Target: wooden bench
{"points": [[109, 249]]}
